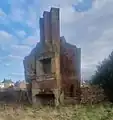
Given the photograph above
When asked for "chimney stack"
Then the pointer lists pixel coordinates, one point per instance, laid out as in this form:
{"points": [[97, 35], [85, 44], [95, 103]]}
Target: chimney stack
{"points": [[50, 26]]}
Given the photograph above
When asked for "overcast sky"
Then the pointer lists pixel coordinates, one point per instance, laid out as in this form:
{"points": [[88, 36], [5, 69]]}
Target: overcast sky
{"points": [[85, 23]]}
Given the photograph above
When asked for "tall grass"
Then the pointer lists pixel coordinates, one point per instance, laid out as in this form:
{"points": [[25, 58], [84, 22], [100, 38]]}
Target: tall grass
{"points": [[77, 112]]}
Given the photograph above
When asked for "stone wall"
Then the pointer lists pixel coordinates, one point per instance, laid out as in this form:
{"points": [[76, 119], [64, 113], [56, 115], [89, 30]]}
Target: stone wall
{"points": [[13, 96], [92, 94]]}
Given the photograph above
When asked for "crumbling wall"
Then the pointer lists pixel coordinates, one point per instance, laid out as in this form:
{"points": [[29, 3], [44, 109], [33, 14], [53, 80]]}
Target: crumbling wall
{"points": [[92, 94], [69, 70]]}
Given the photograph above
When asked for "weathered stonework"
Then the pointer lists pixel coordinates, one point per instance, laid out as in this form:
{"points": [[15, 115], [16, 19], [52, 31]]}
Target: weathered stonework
{"points": [[52, 69]]}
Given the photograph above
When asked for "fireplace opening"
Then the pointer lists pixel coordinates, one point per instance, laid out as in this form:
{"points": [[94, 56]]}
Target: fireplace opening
{"points": [[46, 65], [46, 99]]}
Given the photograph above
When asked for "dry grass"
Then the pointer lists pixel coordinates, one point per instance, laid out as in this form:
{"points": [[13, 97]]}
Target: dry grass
{"points": [[78, 112]]}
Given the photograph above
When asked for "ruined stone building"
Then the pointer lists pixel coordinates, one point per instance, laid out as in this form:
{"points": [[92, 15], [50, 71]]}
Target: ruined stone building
{"points": [[53, 68]]}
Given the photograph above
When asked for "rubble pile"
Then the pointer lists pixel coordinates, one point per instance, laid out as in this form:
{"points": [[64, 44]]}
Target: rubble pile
{"points": [[92, 94]]}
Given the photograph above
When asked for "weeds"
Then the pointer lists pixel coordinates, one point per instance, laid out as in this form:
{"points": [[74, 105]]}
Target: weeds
{"points": [[77, 112]]}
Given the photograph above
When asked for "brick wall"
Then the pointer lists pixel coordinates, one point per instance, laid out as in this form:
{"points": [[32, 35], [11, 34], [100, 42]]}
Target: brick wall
{"points": [[69, 70]]}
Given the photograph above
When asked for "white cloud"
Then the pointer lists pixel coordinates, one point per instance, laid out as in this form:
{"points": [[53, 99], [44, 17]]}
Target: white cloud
{"points": [[68, 15], [7, 64], [20, 47], [31, 40], [17, 11], [2, 13], [7, 38], [91, 30], [21, 34], [98, 4], [96, 51], [17, 15], [5, 34], [93, 33], [20, 50], [32, 18], [17, 74], [24, 13], [4, 18], [15, 57], [87, 29]]}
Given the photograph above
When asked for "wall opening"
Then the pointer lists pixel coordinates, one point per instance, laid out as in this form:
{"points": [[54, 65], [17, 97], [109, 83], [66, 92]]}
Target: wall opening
{"points": [[71, 91], [46, 65], [46, 99]]}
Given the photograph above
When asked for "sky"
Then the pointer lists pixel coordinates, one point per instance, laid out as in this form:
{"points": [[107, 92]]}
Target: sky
{"points": [[85, 23]]}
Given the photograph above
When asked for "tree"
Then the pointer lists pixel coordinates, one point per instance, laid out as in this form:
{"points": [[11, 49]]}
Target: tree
{"points": [[104, 76]]}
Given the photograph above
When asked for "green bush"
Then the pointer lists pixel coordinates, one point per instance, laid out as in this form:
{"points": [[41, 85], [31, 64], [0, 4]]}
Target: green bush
{"points": [[104, 76]]}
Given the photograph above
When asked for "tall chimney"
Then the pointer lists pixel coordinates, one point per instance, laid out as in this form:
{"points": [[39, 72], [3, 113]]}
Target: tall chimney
{"points": [[55, 24], [47, 26], [42, 36]]}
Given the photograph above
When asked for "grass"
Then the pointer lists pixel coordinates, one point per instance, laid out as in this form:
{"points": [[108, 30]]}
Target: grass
{"points": [[77, 112]]}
